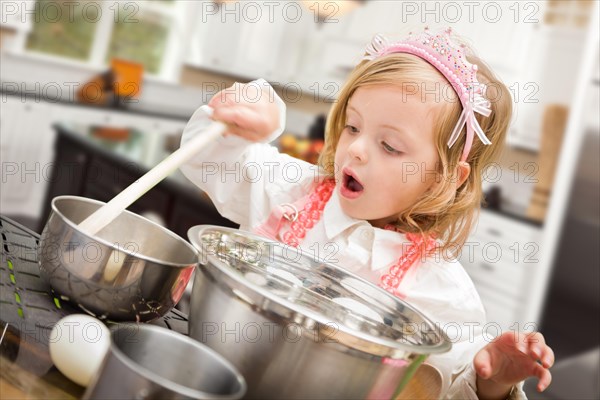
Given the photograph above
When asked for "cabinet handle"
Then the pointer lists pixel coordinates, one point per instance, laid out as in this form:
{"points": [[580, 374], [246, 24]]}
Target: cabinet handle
{"points": [[487, 267], [494, 232]]}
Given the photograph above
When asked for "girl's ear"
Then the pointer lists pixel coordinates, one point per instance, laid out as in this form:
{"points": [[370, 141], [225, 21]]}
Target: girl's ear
{"points": [[464, 169]]}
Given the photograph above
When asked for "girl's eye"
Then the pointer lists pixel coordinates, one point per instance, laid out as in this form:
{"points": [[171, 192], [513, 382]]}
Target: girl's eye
{"points": [[351, 129], [389, 148]]}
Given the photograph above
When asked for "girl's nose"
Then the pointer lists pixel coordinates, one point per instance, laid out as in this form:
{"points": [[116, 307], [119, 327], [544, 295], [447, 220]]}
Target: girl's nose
{"points": [[358, 149]]}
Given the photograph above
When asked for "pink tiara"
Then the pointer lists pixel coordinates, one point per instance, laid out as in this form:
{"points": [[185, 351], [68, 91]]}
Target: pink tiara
{"points": [[439, 51]]}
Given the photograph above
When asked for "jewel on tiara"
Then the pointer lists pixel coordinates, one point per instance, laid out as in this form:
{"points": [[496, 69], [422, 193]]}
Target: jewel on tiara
{"points": [[439, 51]]}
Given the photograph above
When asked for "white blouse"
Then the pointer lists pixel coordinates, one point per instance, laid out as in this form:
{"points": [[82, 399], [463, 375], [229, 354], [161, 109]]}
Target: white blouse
{"points": [[246, 180]]}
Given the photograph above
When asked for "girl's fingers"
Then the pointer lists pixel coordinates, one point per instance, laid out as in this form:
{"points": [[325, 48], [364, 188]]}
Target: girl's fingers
{"points": [[483, 364], [516, 339], [536, 345], [238, 94], [544, 376], [235, 116], [246, 134], [243, 121], [246, 111], [547, 357], [238, 120], [225, 97], [535, 338]]}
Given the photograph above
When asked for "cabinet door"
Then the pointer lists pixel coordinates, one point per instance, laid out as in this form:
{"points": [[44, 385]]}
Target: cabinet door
{"points": [[215, 43], [26, 149], [548, 77], [68, 172], [337, 45], [106, 178], [383, 17], [501, 257], [270, 42], [249, 40]]}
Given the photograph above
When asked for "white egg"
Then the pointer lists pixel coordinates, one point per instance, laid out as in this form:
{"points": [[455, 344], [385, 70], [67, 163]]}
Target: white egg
{"points": [[78, 344]]}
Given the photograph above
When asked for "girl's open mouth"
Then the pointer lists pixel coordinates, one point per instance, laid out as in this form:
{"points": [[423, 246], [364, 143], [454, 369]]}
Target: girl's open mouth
{"points": [[351, 186]]}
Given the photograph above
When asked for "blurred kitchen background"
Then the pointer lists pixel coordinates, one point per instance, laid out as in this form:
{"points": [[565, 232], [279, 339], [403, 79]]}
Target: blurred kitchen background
{"points": [[96, 93]]}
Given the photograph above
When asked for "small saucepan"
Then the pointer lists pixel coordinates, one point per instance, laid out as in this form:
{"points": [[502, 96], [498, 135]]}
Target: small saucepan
{"points": [[131, 270]]}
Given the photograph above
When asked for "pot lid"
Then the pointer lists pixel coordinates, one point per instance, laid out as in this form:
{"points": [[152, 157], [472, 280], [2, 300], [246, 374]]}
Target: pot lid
{"points": [[294, 287]]}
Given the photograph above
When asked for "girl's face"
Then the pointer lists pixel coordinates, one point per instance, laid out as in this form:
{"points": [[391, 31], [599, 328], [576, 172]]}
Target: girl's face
{"points": [[386, 156]]}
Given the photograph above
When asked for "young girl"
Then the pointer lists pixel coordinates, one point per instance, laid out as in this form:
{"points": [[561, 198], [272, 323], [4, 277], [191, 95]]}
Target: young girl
{"points": [[398, 190]]}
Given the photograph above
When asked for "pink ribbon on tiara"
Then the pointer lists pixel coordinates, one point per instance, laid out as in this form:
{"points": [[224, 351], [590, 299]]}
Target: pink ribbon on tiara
{"points": [[467, 117], [439, 51]]}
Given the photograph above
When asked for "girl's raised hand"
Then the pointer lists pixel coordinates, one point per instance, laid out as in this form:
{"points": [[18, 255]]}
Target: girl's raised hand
{"points": [[511, 358], [249, 110]]}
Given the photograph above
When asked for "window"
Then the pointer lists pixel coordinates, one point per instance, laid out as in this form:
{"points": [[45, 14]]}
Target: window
{"points": [[97, 31], [140, 37], [59, 30]]}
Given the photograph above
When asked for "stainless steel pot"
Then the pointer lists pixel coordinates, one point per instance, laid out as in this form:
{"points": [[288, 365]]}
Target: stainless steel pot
{"points": [[132, 270], [296, 327], [150, 362]]}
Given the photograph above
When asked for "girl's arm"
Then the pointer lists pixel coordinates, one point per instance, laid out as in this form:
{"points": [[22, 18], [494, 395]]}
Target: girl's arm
{"points": [[242, 174]]}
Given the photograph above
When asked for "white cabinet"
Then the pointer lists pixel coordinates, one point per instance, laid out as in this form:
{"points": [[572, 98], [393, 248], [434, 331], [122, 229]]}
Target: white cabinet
{"points": [[261, 49], [333, 48], [502, 257], [383, 17], [547, 78], [215, 42], [248, 39], [26, 143]]}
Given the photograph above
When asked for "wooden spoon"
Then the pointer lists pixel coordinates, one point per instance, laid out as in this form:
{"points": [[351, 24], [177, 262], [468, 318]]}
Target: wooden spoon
{"points": [[111, 210]]}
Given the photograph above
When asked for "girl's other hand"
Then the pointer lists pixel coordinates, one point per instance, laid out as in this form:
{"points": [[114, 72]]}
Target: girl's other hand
{"points": [[508, 360], [249, 110]]}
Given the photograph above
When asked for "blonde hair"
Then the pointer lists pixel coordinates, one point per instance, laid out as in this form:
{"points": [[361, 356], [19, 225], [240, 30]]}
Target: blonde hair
{"points": [[446, 211]]}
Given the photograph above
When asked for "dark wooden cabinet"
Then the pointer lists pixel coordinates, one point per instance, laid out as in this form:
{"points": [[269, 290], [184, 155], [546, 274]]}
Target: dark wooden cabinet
{"points": [[68, 169], [188, 213], [107, 179], [82, 168]]}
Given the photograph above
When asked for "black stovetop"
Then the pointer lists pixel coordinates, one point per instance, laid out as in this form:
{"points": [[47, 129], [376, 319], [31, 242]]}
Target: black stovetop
{"points": [[29, 309]]}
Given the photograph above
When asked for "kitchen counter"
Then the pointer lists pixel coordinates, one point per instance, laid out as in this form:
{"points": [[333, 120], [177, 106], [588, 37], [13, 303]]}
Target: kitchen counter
{"points": [[143, 149], [133, 108]]}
